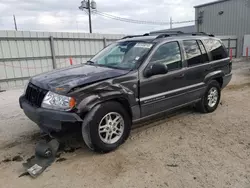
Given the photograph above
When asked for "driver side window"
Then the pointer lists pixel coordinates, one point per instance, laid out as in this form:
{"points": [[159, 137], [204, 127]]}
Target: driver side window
{"points": [[168, 54]]}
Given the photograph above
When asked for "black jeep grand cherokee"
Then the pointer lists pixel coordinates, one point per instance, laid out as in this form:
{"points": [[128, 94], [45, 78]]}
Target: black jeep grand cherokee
{"points": [[131, 80]]}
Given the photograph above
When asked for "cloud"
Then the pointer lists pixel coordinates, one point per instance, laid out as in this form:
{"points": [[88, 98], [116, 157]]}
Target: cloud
{"points": [[64, 15]]}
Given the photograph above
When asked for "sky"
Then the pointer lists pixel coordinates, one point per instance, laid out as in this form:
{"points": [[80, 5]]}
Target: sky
{"points": [[64, 15]]}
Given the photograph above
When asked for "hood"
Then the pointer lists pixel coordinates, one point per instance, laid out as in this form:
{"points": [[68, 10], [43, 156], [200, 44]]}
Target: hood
{"points": [[63, 80]]}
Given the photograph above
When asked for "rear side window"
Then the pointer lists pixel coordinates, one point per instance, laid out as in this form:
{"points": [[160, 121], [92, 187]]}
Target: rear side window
{"points": [[216, 49], [194, 56], [203, 52]]}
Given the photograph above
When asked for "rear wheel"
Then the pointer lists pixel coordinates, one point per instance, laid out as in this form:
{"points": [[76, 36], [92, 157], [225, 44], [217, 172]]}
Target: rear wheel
{"points": [[211, 98], [109, 126]]}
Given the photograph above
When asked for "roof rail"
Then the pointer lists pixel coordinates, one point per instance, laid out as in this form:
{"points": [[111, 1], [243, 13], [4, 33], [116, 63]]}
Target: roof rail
{"points": [[132, 36], [202, 33], [169, 34], [164, 32]]}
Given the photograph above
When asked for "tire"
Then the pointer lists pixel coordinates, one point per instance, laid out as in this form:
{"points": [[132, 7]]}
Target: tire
{"points": [[206, 105], [102, 123]]}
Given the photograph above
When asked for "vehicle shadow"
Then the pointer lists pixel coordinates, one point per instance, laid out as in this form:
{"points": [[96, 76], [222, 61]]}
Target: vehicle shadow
{"points": [[170, 116]]}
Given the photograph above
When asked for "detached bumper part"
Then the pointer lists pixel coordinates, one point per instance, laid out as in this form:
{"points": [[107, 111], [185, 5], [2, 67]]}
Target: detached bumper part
{"points": [[41, 161], [48, 120]]}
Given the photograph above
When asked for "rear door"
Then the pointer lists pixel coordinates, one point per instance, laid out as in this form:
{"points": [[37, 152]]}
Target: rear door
{"points": [[219, 60], [197, 61]]}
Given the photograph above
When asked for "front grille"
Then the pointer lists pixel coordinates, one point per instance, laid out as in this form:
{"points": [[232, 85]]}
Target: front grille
{"points": [[35, 95]]}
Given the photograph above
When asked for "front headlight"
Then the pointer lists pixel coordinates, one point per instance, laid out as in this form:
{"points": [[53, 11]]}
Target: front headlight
{"points": [[58, 102]]}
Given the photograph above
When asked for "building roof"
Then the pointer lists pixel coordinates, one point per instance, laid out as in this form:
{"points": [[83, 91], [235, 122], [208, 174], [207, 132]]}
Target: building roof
{"points": [[185, 29], [211, 3]]}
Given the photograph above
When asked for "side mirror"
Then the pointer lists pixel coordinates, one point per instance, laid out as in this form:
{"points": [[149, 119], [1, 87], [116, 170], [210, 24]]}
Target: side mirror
{"points": [[155, 69]]}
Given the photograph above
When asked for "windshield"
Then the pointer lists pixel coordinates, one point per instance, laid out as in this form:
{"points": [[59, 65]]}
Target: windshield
{"points": [[122, 55]]}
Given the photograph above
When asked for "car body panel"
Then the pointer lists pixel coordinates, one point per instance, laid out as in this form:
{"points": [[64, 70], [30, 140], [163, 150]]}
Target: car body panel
{"points": [[123, 88], [63, 80], [170, 90]]}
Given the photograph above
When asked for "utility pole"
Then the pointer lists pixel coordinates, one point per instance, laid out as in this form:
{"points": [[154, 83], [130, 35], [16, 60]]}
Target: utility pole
{"points": [[171, 23], [14, 17], [90, 24], [86, 4]]}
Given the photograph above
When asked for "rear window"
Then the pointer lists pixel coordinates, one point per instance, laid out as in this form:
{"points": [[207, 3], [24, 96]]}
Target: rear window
{"points": [[216, 49]]}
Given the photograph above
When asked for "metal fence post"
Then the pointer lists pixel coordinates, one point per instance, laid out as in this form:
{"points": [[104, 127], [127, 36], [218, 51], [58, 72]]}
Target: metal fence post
{"points": [[52, 46], [104, 42], [236, 49], [229, 45]]}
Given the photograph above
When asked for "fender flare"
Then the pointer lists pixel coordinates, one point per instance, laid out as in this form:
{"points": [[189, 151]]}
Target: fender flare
{"points": [[86, 128], [213, 75], [89, 102]]}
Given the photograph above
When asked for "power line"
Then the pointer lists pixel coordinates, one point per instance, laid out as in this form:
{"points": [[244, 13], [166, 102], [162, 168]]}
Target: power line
{"points": [[130, 20], [139, 21]]}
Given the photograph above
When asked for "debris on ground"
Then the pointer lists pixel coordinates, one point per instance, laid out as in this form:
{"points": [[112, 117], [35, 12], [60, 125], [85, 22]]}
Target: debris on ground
{"points": [[45, 155], [61, 160], [70, 149], [172, 165], [17, 158], [6, 160], [24, 174], [58, 155]]}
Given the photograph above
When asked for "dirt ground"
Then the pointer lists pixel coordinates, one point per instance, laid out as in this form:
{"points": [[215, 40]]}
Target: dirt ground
{"points": [[187, 149]]}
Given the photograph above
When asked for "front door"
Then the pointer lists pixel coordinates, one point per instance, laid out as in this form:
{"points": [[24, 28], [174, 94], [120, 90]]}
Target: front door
{"points": [[165, 91]]}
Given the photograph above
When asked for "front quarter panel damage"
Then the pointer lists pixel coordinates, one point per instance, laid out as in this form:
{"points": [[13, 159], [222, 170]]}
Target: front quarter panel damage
{"points": [[103, 92], [92, 96]]}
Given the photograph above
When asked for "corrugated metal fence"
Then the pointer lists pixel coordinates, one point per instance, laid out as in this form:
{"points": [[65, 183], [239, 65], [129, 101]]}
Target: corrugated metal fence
{"points": [[24, 54]]}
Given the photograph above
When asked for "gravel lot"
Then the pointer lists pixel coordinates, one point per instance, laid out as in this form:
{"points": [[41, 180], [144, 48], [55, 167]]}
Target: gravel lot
{"points": [[187, 149]]}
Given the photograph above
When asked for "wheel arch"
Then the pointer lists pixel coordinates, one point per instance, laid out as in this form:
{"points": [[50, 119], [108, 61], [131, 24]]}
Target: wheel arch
{"points": [[219, 80], [90, 103], [216, 75]]}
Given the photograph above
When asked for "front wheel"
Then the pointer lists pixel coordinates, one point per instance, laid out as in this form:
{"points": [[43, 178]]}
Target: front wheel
{"points": [[211, 98], [109, 127]]}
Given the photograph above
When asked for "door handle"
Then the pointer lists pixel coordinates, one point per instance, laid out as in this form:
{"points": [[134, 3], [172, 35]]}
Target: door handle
{"points": [[179, 76]]}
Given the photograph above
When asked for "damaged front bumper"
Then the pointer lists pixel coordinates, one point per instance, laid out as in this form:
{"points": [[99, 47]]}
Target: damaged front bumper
{"points": [[49, 120]]}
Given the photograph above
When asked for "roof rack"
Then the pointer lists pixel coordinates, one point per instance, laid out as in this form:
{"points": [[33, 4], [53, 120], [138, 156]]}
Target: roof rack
{"points": [[169, 34], [202, 33], [132, 36], [164, 32]]}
